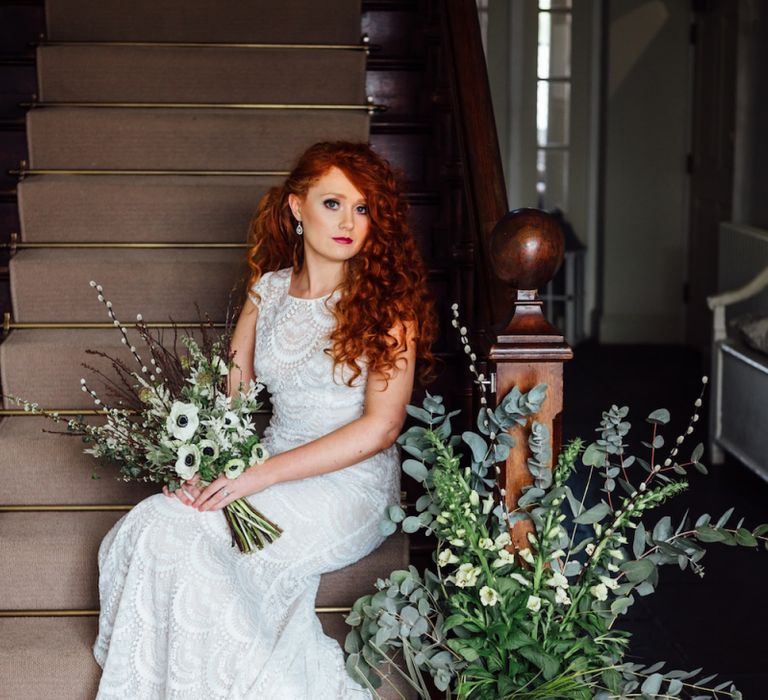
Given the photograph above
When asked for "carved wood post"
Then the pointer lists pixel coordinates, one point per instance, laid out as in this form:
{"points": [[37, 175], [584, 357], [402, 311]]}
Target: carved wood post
{"points": [[526, 250]]}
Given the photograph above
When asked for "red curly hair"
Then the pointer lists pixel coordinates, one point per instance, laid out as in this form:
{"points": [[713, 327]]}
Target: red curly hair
{"points": [[386, 281]]}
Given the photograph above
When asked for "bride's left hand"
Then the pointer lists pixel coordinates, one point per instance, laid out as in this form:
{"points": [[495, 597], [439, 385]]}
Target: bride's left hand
{"points": [[222, 491]]}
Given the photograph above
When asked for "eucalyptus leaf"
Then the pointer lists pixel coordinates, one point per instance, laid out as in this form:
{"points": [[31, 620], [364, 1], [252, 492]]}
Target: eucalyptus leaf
{"points": [[411, 524], [638, 570], [387, 527], [652, 684], [660, 416], [639, 542], [593, 456], [594, 515], [396, 513], [477, 444], [698, 451], [418, 413], [415, 469], [620, 605]]}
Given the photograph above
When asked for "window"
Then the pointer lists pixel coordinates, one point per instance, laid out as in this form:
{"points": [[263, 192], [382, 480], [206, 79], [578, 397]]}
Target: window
{"points": [[553, 102]]}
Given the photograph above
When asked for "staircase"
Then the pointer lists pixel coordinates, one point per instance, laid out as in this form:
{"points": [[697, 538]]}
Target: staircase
{"points": [[154, 123]]}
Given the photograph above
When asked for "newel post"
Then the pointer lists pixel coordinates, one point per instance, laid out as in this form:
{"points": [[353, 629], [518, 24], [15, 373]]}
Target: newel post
{"points": [[526, 250]]}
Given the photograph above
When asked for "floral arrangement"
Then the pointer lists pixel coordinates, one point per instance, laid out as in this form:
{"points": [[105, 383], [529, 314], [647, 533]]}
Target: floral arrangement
{"points": [[489, 622], [173, 419]]}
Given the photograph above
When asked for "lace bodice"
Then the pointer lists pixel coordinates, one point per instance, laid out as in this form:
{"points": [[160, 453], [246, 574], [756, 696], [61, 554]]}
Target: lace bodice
{"points": [[309, 399]]}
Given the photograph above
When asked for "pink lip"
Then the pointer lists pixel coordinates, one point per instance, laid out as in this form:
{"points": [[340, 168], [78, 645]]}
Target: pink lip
{"points": [[343, 241]]}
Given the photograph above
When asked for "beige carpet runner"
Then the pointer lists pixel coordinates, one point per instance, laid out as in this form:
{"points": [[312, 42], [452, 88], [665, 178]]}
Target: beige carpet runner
{"points": [[173, 109]]}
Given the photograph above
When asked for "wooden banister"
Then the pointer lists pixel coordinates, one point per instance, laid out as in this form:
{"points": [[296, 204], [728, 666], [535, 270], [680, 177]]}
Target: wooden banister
{"points": [[526, 250], [485, 191], [515, 253]]}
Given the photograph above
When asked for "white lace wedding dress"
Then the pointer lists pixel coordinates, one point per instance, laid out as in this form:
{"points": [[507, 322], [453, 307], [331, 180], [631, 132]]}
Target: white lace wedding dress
{"points": [[184, 614]]}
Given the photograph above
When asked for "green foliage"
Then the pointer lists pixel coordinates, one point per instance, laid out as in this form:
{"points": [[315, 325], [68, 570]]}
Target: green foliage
{"points": [[489, 623], [538, 637]]}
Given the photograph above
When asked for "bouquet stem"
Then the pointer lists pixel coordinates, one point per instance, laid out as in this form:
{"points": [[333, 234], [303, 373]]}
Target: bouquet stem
{"points": [[250, 529]]}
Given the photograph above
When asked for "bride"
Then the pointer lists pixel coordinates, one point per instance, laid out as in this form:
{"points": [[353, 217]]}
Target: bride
{"points": [[336, 316]]}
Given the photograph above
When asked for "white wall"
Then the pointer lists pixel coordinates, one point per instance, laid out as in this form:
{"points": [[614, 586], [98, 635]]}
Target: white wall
{"points": [[645, 181]]}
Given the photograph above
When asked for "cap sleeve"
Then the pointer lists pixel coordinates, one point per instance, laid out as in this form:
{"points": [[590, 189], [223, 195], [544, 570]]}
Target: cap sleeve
{"points": [[261, 286]]}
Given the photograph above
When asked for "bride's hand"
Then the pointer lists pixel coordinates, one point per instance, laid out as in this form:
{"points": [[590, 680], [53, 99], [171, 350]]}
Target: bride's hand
{"points": [[223, 491], [187, 492]]}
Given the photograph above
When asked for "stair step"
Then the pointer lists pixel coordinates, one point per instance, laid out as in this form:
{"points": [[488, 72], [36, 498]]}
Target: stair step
{"points": [[48, 657], [51, 657], [95, 73], [128, 208], [58, 468], [281, 21], [26, 369], [158, 284], [48, 560], [187, 139]]}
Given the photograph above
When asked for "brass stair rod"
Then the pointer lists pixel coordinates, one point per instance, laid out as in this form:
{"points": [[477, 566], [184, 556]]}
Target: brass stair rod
{"points": [[98, 324], [106, 244], [64, 508], [73, 508], [95, 613], [84, 412], [365, 45], [60, 412], [369, 106], [195, 173]]}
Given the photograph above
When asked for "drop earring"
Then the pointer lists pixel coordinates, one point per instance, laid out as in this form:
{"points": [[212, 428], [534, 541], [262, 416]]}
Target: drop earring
{"points": [[299, 229]]}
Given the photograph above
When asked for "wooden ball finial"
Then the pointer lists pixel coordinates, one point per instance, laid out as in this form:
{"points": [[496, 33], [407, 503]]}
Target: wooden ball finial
{"points": [[527, 248]]}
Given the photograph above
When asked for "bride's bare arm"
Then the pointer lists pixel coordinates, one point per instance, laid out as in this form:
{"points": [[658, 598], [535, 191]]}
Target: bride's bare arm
{"points": [[378, 428], [243, 343]]}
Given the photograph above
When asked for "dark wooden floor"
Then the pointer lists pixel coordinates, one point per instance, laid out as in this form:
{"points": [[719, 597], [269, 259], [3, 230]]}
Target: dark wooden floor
{"points": [[719, 622]]}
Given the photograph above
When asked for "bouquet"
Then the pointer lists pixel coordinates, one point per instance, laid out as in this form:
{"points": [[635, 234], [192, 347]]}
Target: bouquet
{"points": [[173, 419], [489, 622]]}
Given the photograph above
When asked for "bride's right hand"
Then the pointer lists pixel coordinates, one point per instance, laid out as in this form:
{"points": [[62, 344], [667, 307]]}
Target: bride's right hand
{"points": [[187, 492]]}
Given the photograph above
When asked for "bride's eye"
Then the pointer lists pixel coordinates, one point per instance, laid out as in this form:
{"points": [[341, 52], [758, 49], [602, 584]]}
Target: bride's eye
{"points": [[329, 202], [363, 207]]}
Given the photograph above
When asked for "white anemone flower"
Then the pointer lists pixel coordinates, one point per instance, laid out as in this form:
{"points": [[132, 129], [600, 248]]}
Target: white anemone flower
{"points": [[486, 543], [259, 454], [231, 420], [187, 461], [209, 448], [488, 596], [183, 420], [234, 468]]}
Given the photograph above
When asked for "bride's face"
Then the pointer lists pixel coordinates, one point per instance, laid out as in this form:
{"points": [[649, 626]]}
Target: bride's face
{"points": [[334, 216]]}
